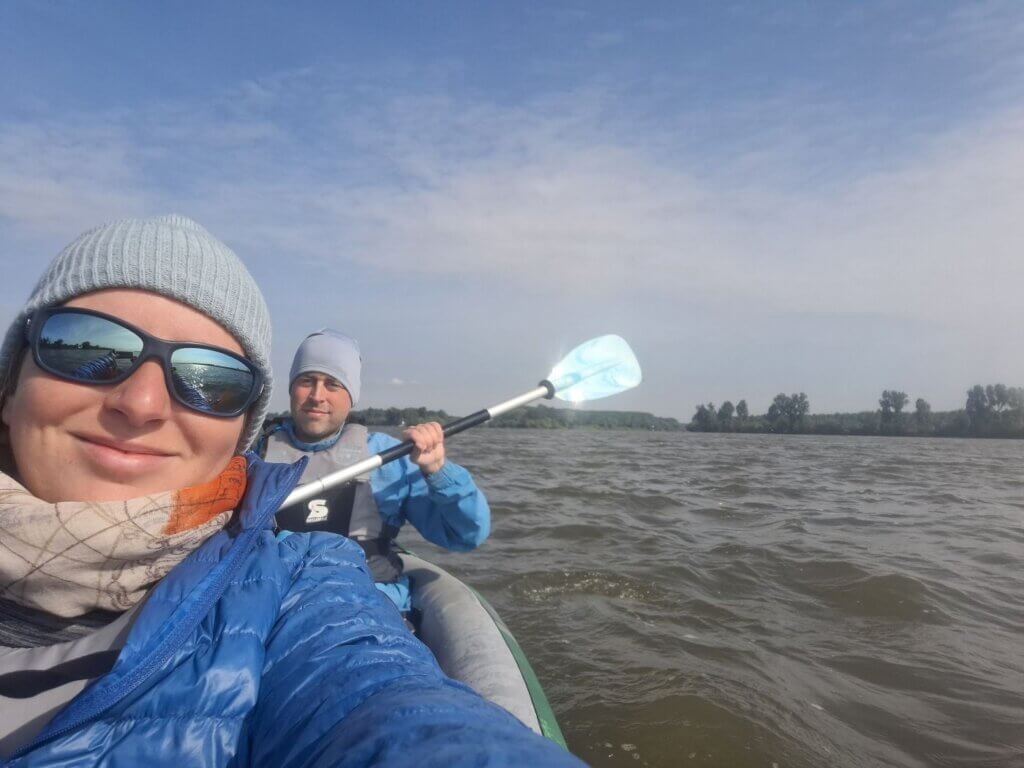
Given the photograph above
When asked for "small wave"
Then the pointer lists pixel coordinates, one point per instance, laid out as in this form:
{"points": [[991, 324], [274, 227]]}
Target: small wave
{"points": [[890, 596], [709, 613], [578, 493], [852, 520], [539, 587], [610, 498], [576, 533], [676, 729], [713, 512], [759, 505], [942, 498], [795, 525], [733, 489], [997, 558], [893, 674]]}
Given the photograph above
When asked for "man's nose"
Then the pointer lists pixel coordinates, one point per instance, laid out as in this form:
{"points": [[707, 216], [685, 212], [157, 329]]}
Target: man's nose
{"points": [[142, 398]]}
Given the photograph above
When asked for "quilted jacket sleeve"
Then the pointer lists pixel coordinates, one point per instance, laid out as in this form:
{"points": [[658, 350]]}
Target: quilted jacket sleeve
{"points": [[345, 684], [446, 508]]}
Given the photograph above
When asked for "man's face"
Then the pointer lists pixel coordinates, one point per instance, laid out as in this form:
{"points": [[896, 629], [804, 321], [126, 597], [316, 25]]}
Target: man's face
{"points": [[320, 405]]}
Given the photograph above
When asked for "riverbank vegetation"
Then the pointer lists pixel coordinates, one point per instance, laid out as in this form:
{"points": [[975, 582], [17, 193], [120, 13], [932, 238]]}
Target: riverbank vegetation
{"points": [[994, 410], [545, 417], [536, 417]]}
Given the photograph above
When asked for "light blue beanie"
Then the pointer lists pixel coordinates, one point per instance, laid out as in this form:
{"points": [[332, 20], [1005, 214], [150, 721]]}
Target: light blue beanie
{"points": [[333, 353], [170, 255]]}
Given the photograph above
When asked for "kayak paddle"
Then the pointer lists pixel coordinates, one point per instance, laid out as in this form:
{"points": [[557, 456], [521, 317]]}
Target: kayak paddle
{"points": [[597, 368]]}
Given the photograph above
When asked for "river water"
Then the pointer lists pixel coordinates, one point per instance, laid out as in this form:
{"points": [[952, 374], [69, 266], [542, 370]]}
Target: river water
{"points": [[757, 600]]}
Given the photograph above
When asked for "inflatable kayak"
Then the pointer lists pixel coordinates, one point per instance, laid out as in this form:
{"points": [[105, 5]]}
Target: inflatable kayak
{"points": [[473, 645]]}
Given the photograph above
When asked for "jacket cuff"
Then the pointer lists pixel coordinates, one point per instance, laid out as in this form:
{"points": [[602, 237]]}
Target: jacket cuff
{"points": [[444, 477]]}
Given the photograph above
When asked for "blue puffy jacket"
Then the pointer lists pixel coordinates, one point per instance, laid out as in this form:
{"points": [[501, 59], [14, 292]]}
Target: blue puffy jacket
{"points": [[259, 650]]}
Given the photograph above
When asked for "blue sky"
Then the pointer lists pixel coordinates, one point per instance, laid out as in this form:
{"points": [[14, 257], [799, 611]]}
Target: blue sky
{"points": [[823, 197]]}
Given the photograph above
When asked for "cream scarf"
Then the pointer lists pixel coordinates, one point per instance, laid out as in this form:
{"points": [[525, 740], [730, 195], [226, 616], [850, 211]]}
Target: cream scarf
{"points": [[71, 558]]}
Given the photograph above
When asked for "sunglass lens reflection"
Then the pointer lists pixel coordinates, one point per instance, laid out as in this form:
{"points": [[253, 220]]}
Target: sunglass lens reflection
{"points": [[210, 381], [87, 348]]}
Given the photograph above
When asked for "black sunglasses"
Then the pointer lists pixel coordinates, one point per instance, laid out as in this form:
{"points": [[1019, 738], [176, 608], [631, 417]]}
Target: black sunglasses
{"points": [[92, 348]]}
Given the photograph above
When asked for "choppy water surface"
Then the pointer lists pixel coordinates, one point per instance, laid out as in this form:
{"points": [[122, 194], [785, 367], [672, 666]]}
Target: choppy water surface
{"points": [[750, 600]]}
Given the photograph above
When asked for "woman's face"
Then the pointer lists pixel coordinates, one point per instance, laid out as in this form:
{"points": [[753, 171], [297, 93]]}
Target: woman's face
{"points": [[82, 442]]}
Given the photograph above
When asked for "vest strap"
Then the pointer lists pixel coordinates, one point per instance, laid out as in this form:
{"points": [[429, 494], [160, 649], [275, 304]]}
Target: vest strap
{"points": [[349, 510]]}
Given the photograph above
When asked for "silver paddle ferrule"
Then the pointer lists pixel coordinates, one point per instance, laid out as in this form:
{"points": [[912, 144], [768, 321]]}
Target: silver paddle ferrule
{"points": [[309, 490], [515, 402]]}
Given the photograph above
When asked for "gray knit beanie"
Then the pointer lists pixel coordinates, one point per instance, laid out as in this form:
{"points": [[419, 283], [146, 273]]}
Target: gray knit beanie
{"points": [[333, 353], [169, 255]]}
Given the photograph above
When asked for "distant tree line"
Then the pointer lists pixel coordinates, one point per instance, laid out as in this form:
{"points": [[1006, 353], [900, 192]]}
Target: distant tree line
{"points": [[382, 417], [397, 417], [990, 411], [52, 343], [537, 417], [545, 417]]}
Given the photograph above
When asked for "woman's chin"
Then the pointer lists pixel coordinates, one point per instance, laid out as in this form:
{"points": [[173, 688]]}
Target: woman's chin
{"points": [[99, 490]]}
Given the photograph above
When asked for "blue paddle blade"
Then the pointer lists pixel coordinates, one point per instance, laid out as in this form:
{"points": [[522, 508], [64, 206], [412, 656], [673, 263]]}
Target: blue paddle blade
{"points": [[597, 368]]}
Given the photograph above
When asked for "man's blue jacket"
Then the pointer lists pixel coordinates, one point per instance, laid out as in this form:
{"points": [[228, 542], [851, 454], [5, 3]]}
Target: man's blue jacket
{"points": [[446, 507], [278, 651]]}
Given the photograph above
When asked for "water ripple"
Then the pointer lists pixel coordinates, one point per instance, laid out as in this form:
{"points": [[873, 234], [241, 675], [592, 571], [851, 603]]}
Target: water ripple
{"points": [[750, 600]]}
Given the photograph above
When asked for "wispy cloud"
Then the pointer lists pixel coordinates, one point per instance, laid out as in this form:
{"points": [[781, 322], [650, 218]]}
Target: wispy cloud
{"points": [[56, 177], [791, 204], [536, 193], [609, 39]]}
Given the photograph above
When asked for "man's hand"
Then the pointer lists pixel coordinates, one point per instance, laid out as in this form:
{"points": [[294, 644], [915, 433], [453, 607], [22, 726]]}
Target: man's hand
{"points": [[429, 451]]}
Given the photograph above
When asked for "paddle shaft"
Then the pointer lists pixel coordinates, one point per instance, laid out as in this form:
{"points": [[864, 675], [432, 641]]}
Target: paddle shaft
{"points": [[543, 390]]}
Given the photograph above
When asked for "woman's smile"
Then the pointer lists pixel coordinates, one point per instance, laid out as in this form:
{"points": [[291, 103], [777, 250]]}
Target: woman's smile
{"points": [[120, 460]]}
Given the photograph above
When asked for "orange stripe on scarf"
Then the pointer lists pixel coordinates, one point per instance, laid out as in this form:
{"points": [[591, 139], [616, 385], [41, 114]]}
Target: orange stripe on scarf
{"points": [[201, 503]]}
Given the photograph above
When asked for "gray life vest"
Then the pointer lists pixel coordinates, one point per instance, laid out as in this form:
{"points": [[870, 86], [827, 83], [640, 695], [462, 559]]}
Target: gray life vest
{"points": [[349, 509]]}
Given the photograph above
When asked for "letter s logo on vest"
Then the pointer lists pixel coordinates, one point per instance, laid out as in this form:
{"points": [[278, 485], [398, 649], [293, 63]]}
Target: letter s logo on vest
{"points": [[317, 511]]}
